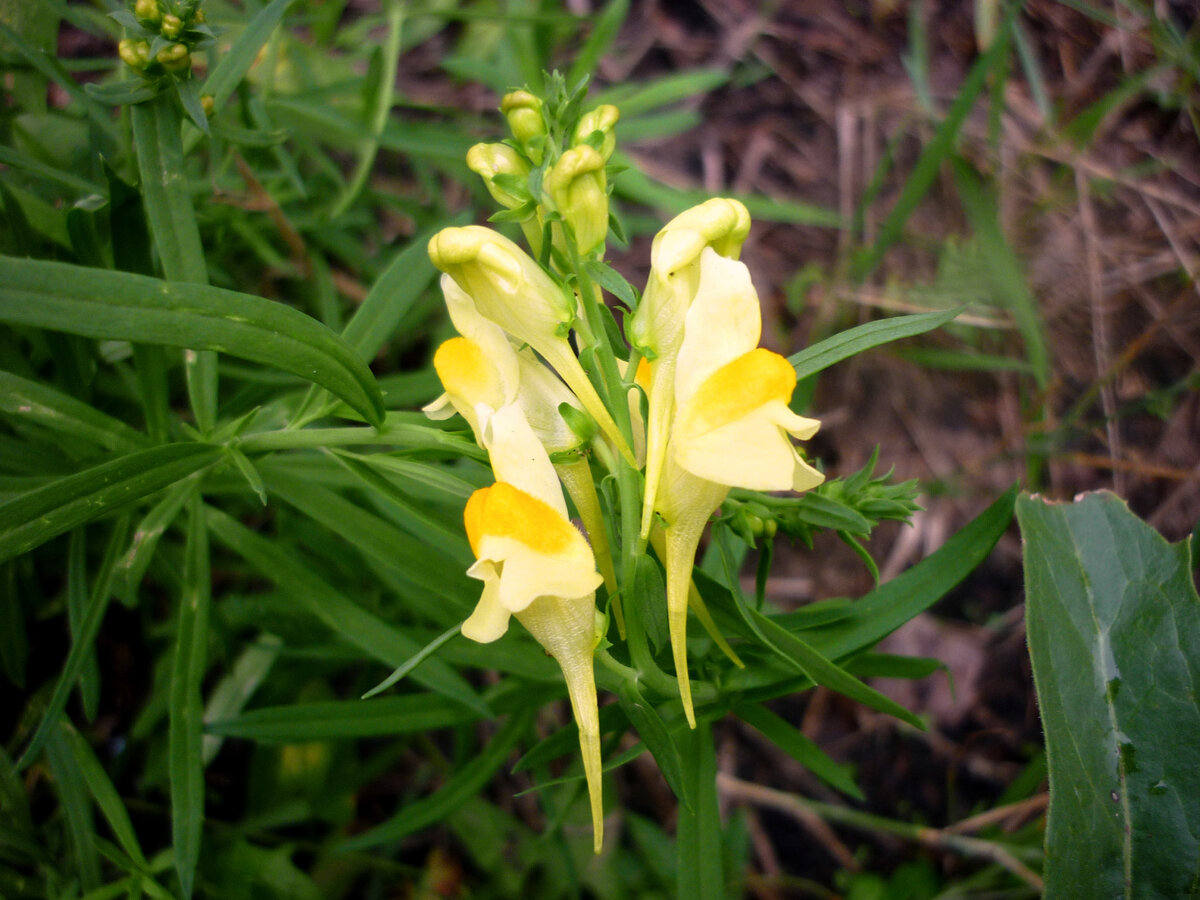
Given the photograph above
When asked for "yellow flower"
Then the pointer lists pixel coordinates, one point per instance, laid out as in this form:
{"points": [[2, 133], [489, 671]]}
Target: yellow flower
{"points": [[535, 565], [720, 225], [732, 428], [510, 289]]}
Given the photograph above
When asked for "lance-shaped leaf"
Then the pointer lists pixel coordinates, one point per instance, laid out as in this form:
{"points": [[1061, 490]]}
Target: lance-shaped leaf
{"points": [[1114, 635], [45, 512], [121, 306]]}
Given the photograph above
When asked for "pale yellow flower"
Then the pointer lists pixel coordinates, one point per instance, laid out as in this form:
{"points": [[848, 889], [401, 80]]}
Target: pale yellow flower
{"points": [[657, 326], [732, 428]]}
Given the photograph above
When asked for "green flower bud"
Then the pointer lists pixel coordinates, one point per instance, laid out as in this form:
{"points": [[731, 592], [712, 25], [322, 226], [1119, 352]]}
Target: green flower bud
{"points": [[603, 118], [174, 58], [147, 12], [135, 53], [524, 114], [578, 189], [172, 26], [208, 104], [489, 160]]}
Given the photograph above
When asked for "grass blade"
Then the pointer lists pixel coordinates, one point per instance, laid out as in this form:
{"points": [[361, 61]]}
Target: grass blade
{"points": [[822, 355]]}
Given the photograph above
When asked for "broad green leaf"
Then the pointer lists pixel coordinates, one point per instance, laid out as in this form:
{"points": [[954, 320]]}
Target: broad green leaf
{"points": [[797, 745], [185, 763], [346, 619], [1114, 635], [345, 719], [467, 781], [118, 305], [699, 872], [45, 512], [822, 355], [30, 401]]}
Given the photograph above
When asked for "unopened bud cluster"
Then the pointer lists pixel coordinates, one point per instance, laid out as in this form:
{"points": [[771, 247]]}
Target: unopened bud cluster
{"points": [[162, 35], [552, 177]]}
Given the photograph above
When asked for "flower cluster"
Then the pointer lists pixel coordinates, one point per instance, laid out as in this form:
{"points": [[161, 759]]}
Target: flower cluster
{"points": [[536, 375]]}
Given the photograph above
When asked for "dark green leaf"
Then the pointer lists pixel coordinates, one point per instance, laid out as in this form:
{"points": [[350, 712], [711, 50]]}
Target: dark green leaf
{"points": [[822, 355], [31, 401], [657, 738], [466, 782], [1114, 635], [45, 512], [345, 719], [118, 305], [185, 705], [346, 619]]}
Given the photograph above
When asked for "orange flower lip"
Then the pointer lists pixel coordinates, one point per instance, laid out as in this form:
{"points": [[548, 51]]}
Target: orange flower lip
{"points": [[505, 511], [739, 387]]}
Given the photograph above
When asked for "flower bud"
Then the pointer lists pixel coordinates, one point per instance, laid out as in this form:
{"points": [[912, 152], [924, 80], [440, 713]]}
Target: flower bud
{"points": [[147, 12], [172, 26], [135, 53], [508, 287], [209, 104], [174, 58], [524, 114], [578, 188], [603, 118], [489, 160]]}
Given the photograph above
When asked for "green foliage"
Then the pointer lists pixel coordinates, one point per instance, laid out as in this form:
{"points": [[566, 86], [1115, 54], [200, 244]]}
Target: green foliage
{"points": [[1114, 634]]}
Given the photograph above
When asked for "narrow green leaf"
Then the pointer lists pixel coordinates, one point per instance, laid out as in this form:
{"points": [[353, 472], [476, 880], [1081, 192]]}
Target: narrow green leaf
{"points": [[1004, 270], [635, 97], [823, 354], [46, 512], [604, 31], [253, 478], [122, 306], [82, 645], [14, 641], [29, 401], [345, 719], [467, 781], [1114, 635], [937, 151], [797, 745], [699, 871], [426, 651], [77, 601], [185, 763], [890, 605], [22, 163], [236, 62], [105, 795], [132, 565], [346, 619], [658, 740], [72, 794], [237, 687]]}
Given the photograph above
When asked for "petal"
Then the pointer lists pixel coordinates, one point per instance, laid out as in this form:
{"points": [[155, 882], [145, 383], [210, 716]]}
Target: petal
{"points": [[540, 395], [723, 323], [468, 375], [729, 393], [752, 452], [489, 621], [519, 459], [489, 336]]}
